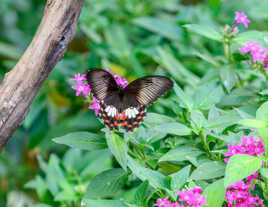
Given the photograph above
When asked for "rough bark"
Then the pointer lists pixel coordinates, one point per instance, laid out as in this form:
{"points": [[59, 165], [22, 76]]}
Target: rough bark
{"points": [[22, 83]]}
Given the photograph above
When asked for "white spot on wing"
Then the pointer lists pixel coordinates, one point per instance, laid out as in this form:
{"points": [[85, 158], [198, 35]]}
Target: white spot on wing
{"points": [[107, 109], [136, 111], [131, 112], [111, 111]]}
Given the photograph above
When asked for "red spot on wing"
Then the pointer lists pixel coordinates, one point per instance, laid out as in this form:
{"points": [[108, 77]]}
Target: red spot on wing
{"points": [[120, 119]]}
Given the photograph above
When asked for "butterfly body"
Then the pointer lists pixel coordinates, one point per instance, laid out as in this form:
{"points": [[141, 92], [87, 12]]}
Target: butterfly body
{"points": [[125, 107]]}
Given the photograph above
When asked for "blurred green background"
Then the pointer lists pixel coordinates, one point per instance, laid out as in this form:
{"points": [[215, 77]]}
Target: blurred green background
{"points": [[131, 37]]}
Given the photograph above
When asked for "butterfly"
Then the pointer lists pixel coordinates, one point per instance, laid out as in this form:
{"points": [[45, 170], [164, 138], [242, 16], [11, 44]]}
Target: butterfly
{"points": [[125, 107]]}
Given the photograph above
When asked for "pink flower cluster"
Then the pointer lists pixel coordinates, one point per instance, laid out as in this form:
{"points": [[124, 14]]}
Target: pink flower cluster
{"points": [[119, 81], [80, 87], [248, 146], [256, 51], [188, 198], [241, 18], [265, 62], [192, 197], [238, 194], [84, 89]]}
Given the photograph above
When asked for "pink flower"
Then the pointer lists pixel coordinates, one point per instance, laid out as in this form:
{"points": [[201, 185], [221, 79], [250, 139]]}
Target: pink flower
{"points": [[119, 81], [266, 62], [95, 106], [250, 46], [188, 198], [81, 88], [162, 203], [252, 177], [79, 78], [192, 197], [174, 205], [258, 55], [241, 18], [248, 146], [238, 195]]}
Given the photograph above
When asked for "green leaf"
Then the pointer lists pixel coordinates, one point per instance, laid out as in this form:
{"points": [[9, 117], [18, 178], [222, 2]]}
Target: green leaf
{"points": [[263, 132], [173, 128], [156, 179], [91, 162], [206, 56], [104, 203], [39, 185], [247, 112], [239, 167], [41, 205], [153, 119], [215, 193], [244, 37], [228, 78], [184, 100], [198, 120], [181, 153], [10, 51], [258, 11], [154, 136], [237, 96], [116, 38], [253, 123], [208, 95], [208, 170], [262, 115], [159, 26], [179, 178], [136, 65], [106, 183], [222, 121], [264, 172], [69, 195], [118, 147], [82, 140], [142, 194], [175, 68], [205, 30], [55, 177]]}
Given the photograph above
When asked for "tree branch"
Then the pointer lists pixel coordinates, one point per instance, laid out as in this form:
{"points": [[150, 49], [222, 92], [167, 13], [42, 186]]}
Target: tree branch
{"points": [[22, 83]]}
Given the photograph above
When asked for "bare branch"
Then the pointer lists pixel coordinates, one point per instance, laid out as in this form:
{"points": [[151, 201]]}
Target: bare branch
{"points": [[22, 83]]}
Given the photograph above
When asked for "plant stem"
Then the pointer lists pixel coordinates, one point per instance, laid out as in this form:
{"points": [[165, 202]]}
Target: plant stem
{"points": [[226, 47], [265, 75], [203, 138], [265, 187]]}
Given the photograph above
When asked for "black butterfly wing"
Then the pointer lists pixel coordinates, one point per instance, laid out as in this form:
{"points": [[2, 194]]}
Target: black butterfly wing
{"points": [[125, 107], [148, 89], [102, 83], [145, 91], [105, 90]]}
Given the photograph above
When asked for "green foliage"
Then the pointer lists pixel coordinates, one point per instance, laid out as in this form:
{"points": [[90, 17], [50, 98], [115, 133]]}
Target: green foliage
{"points": [[119, 149], [216, 99], [82, 140], [106, 183], [215, 193], [66, 181], [205, 31], [241, 166]]}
